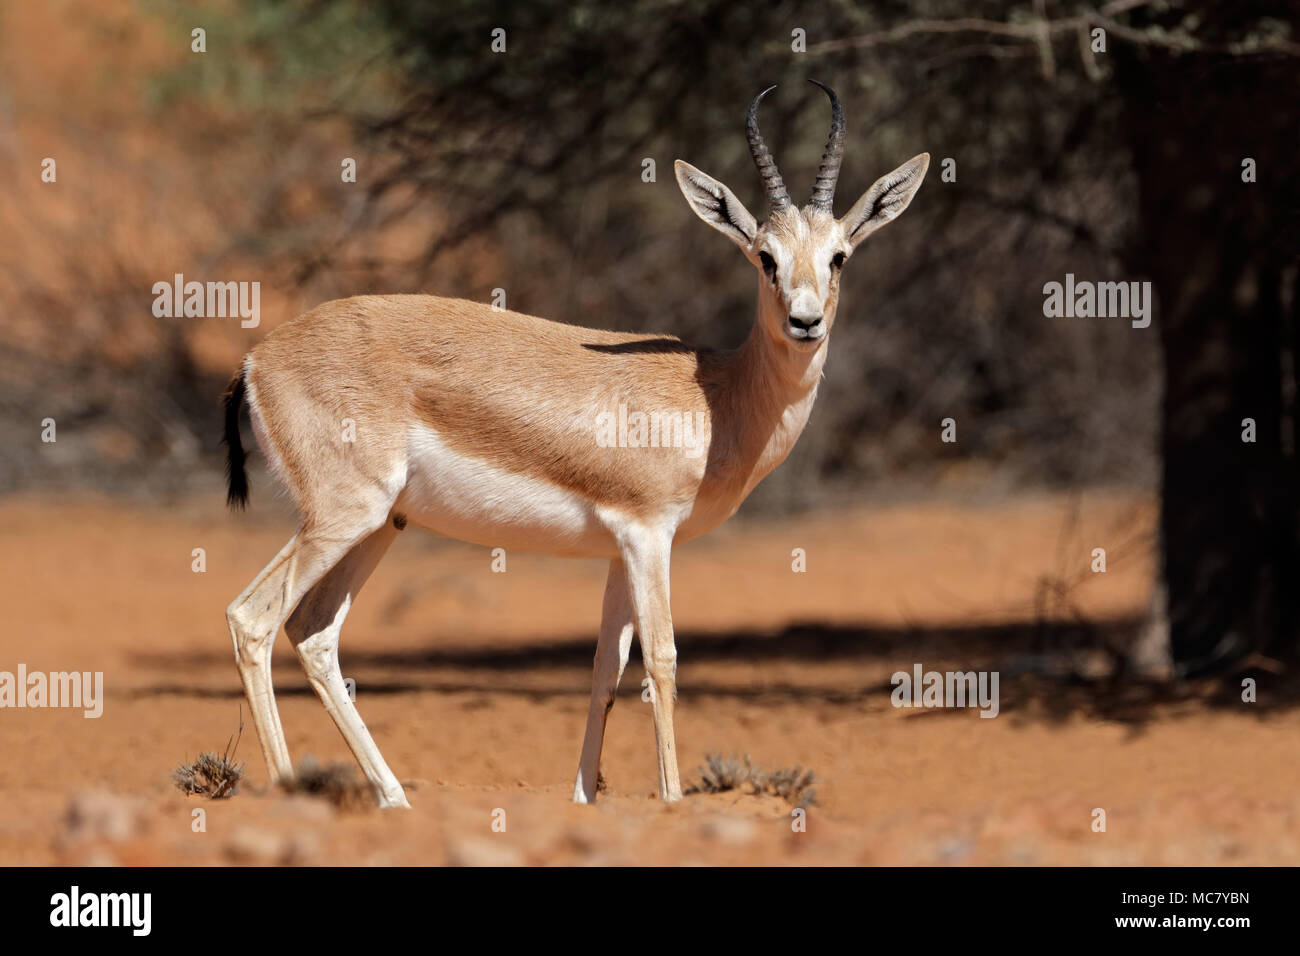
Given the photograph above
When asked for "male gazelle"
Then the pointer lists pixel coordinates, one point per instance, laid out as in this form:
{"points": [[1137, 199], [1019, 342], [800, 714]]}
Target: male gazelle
{"points": [[486, 426]]}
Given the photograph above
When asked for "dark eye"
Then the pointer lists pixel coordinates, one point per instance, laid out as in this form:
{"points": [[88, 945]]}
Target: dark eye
{"points": [[769, 265], [837, 261]]}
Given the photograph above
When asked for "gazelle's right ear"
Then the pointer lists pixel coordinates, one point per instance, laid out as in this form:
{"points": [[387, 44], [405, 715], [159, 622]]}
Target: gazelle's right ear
{"points": [[716, 204]]}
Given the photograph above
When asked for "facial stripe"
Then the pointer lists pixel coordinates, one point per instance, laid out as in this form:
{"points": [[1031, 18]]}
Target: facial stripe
{"points": [[802, 245]]}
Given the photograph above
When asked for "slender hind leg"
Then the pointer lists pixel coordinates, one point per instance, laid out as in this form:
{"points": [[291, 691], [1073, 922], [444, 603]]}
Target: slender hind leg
{"points": [[314, 631], [611, 657], [253, 658], [255, 618]]}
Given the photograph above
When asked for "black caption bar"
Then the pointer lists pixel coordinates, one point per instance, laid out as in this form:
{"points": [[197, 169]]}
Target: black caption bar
{"points": [[213, 908]]}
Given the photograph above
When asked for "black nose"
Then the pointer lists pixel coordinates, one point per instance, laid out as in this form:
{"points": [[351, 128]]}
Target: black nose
{"points": [[804, 324]]}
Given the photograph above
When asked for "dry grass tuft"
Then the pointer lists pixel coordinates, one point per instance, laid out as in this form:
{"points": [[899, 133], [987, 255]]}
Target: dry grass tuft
{"points": [[720, 774], [794, 785]]}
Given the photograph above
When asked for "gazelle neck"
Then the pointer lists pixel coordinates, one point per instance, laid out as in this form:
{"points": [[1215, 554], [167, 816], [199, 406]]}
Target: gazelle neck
{"points": [[769, 371], [769, 392]]}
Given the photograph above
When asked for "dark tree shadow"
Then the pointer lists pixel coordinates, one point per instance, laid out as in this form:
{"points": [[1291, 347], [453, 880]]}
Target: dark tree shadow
{"points": [[1038, 665]]}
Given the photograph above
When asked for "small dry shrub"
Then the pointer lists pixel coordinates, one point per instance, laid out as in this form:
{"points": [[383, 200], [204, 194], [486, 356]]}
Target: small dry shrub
{"points": [[794, 785], [336, 782], [720, 774], [213, 775]]}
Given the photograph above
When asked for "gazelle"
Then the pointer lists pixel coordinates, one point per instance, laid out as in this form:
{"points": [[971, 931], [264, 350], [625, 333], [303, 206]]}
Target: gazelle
{"points": [[484, 425]]}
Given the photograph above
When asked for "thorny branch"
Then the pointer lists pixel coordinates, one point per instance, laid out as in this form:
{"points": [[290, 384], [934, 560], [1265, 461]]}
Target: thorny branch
{"points": [[1040, 29]]}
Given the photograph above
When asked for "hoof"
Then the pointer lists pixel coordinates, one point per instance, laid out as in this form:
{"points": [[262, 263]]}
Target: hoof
{"points": [[394, 802]]}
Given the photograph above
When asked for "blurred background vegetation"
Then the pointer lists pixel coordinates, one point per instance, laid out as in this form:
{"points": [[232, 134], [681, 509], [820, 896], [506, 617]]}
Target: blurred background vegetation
{"points": [[523, 171]]}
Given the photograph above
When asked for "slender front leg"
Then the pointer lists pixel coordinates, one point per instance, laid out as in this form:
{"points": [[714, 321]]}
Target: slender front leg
{"points": [[647, 554], [611, 658]]}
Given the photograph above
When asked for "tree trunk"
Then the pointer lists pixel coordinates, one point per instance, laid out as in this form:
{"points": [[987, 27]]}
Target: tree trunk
{"points": [[1222, 256]]}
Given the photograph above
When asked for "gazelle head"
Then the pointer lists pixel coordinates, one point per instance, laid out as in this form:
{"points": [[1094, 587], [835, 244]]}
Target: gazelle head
{"points": [[799, 252]]}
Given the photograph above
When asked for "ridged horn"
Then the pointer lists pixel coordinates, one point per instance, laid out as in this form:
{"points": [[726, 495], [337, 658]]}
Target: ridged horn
{"points": [[777, 197], [823, 194]]}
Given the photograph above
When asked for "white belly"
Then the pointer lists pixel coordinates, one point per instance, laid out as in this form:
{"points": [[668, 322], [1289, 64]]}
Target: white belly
{"points": [[473, 500]]}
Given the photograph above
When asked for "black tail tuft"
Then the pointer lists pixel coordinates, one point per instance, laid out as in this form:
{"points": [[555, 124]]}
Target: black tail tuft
{"points": [[236, 476]]}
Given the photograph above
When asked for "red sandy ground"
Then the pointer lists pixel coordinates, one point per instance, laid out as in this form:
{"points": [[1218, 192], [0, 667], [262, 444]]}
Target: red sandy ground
{"points": [[475, 686]]}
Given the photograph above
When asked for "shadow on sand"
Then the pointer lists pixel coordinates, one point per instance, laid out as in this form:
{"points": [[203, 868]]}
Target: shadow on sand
{"points": [[1048, 672]]}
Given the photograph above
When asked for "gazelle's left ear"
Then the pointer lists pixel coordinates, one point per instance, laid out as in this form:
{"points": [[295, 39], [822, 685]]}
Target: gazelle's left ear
{"points": [[885, 200]]}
